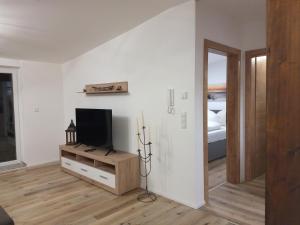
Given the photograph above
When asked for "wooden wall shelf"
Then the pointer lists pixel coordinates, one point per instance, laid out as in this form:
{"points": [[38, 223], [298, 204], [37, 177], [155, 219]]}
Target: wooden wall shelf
{"points": [[217, 91], [117, 172], [107, 88]]}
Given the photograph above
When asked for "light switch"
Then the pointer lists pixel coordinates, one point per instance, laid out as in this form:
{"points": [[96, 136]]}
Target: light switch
{"points": [[36, 109], [183, 120]]}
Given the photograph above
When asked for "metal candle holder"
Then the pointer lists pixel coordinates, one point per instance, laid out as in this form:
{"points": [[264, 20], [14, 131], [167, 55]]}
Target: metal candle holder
{"points": [[145, 156]]}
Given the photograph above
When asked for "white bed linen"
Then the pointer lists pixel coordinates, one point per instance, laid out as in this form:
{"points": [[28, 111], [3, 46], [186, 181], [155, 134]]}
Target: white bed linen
{"points": [[217, 135], [216, 105], [212, 125]]}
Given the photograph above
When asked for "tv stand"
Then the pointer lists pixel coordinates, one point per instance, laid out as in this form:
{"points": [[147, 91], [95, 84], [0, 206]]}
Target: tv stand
{"points": [[117, 173], [90, 150], [77, 145], [110, 151]]}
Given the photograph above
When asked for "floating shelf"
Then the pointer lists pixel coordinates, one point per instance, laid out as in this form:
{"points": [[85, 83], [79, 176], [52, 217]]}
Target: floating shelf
{"points": [[107, 88]]}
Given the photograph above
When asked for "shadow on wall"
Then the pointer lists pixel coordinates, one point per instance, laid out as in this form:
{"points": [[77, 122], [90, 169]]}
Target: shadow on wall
{"points": [[120, 126], [164, 148]]}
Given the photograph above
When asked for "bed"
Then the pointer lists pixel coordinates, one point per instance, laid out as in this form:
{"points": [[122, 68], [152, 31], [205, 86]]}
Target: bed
{"points": [[216, 136]]}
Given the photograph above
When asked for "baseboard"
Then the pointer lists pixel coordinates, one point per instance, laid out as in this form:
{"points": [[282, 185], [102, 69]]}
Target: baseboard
{"points": [[191, 205], [37, 166]]}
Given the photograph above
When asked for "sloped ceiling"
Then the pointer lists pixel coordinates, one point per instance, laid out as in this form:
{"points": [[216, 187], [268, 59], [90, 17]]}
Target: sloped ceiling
{"points": [[242, 10], [59, 30]]}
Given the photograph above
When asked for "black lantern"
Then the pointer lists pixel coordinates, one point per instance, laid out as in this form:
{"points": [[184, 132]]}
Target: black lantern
{"points": [[71, 134]]}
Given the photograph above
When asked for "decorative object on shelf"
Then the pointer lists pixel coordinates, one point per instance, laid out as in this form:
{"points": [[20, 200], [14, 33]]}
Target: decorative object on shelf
{"points": [[71, 134], [145, 160], [116, 87]]}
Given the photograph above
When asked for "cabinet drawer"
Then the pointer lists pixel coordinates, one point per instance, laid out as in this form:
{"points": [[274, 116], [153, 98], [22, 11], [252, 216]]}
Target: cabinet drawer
{"points": [[92, 173], [74, 166], [84, 170], [104, 177], [68, 163]]}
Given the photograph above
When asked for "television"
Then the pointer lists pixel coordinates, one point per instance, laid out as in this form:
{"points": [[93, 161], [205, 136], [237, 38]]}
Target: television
{"points": [[94, 127]]}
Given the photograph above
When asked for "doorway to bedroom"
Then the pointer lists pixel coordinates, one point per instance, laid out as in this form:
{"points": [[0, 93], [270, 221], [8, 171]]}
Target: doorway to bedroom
{"points": [[221, 106], [216, 119]]}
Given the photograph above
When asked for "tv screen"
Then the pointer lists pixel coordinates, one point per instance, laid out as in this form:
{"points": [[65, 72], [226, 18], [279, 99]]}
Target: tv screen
{"points": [[94, 127]]}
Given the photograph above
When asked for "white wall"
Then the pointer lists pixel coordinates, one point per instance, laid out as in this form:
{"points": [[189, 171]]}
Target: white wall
{"points": [[254, 35], [39, 88], [153, 57], [217, 71]]}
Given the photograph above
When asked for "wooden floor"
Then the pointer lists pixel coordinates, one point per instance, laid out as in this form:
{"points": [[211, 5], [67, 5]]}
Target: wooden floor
{"points": [[47, 196], [243, 203], [216, 173], [12, 167]]}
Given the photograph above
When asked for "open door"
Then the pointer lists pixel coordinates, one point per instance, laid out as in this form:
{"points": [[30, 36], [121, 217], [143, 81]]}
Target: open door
{"points": [[233, 56], [283, 113], [255, 114]]}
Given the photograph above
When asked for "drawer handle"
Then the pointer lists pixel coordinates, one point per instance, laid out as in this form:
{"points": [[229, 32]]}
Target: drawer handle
{"points": [[68, 164], [105, 178], [84, 170]]}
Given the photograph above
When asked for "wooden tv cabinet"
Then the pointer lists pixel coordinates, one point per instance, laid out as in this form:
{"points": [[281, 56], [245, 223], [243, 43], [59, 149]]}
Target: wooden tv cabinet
{"points": [[118, 172]]}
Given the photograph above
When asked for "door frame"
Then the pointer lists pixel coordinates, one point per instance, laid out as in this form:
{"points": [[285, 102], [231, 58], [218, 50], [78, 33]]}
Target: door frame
{"points": [[14, 73], [232, 109], [250, 110]]}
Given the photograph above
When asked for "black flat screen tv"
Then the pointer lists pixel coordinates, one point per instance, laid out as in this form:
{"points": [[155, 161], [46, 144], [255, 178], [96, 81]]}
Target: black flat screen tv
{"points": [[94, 127]]}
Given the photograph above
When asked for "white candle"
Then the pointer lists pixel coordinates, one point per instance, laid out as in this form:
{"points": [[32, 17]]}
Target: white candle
{"points": [[137, 133], [137, 126], [138, 141], [149, 134], [143, 121]]}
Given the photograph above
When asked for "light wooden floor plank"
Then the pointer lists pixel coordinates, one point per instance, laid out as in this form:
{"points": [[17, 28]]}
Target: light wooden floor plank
{"points": [[216, 173], [48, 196], [243, 203]]}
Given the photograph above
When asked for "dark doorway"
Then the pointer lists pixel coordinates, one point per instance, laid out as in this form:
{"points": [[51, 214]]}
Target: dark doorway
{"points": [[7, 120]]}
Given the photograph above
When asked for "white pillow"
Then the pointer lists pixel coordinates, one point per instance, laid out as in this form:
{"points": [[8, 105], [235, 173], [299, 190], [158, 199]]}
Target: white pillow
{"points": [[213, 126], [222, 117], [211, 116]]}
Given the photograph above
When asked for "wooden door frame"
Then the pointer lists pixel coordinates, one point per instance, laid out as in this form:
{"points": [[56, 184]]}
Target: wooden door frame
{"points": [[232, 103], [250, 103]]}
